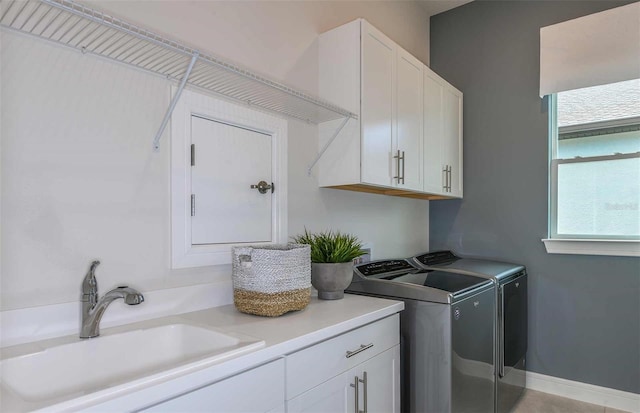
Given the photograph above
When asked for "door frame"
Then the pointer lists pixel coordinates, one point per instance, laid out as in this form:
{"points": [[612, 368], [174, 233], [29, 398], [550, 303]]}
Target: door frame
{"points": [[183, 253]]}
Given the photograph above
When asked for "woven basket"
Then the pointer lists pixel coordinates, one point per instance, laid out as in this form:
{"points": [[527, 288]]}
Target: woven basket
{"points": [[271, 280]]}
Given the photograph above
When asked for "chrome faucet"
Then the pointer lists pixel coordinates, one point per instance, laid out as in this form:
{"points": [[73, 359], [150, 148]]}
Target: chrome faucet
{"points": [[93, 308]]}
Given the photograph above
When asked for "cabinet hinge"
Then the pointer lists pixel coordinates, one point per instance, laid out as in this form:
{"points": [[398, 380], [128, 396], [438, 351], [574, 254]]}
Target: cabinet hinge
{"points": [[193, 205], [193, 154]]}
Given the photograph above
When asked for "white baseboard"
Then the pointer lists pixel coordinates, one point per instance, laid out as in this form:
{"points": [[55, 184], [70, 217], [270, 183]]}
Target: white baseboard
{"points": [[584, 392]]}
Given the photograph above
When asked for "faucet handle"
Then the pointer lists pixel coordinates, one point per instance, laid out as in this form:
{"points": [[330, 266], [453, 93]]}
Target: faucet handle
{"points": [[90, 285]]}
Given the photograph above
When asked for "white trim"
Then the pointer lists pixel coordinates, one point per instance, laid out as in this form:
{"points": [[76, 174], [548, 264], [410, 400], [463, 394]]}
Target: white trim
{"points": [[183, 253], [602, 124], [584, 392], [614, 247]]}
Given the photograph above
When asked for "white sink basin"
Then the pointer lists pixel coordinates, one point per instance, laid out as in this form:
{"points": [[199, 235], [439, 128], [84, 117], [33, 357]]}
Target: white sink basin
{"points": [[106, 361]]}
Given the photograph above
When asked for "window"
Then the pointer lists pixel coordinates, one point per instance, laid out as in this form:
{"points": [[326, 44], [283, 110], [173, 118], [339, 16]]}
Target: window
{"points": [[595, 163]]}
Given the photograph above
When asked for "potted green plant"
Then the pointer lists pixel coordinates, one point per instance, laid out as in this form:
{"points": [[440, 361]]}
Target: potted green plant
{"points": [[332, 255]]}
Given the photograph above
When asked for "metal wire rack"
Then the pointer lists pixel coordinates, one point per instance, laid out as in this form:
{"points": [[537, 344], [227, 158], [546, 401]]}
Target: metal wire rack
{"points": [[91, 31]]}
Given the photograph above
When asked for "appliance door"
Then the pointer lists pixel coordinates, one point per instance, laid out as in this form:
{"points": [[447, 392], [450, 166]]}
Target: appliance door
{"points": [[512, 348], [472, 353]]}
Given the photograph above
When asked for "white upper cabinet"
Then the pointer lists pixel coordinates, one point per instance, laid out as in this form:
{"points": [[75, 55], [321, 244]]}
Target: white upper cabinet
{"points": [[434, 169], [377, 120], [408, 122], [388, 149], [442, 137], [452, 114]]}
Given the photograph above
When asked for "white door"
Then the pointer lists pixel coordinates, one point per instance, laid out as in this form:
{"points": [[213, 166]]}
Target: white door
{"points": [[228, 160], [452, 103], [435, 164], [378, 96], [408, 136], [382, 388]]}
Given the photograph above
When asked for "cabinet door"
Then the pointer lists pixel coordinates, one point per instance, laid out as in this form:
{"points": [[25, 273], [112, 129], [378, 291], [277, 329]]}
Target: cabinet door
{"points": [[408, 164], [331, 357], [434, 163], [377, 100], [442, 137], [452, 120], [378, 382], [257, 390], [228, 160], [334, 395], [381, 389]]}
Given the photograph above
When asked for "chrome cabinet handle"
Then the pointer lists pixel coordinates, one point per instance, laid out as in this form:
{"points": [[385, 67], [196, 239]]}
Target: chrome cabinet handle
{"points": [[397, 177], [263, 187], [355, 385], [445, 177], [399, 171], [364, 384], [448, 178], [362, 348]]}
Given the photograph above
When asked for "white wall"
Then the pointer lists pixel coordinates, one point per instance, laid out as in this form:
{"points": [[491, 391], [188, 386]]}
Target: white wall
{"points": [[79, 178], [277, 38]]}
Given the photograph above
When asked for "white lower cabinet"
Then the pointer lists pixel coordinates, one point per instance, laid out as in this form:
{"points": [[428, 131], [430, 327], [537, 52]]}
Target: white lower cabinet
{"points": [[378, 389], [358, 372], [257, 390]]}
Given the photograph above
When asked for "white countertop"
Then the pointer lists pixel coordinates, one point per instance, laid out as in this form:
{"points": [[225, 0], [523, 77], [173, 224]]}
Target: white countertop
{"points": [[285, 334]]}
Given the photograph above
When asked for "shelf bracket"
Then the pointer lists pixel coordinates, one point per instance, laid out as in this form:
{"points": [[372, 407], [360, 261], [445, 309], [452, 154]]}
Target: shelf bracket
{"points": [[326, 145], [174, 101]]}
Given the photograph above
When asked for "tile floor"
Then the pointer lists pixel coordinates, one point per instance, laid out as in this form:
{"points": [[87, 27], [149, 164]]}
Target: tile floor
{"points": [[537, 402]]}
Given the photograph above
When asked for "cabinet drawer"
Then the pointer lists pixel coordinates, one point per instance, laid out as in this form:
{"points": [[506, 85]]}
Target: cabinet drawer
{"points": [[257, 390], [316, 364]]}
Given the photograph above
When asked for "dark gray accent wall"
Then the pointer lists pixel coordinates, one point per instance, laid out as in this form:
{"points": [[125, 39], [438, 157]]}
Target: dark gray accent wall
{"points": [[584, 310]]}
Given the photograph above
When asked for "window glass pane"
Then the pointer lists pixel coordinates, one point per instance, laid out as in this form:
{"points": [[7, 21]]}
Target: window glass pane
{"points": [[599, 198], [596, 198], [599, 103]]}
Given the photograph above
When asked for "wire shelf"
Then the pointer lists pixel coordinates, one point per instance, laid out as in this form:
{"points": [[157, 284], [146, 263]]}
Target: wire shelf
{"points": [[91, 31]]}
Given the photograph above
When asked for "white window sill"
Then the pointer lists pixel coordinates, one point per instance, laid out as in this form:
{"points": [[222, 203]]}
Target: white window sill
{"points": [[621, 248]]}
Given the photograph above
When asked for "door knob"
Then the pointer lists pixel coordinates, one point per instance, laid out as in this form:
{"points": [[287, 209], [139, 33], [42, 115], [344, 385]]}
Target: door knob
{"points": [[263, 187]]}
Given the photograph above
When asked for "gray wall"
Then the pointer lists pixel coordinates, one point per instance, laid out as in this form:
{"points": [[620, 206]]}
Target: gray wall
{"points": [[584, 321]]}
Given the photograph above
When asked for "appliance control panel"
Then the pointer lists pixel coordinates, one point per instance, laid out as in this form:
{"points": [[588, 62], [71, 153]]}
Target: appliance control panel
{"points": [[384, 267], [436, 257]]}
